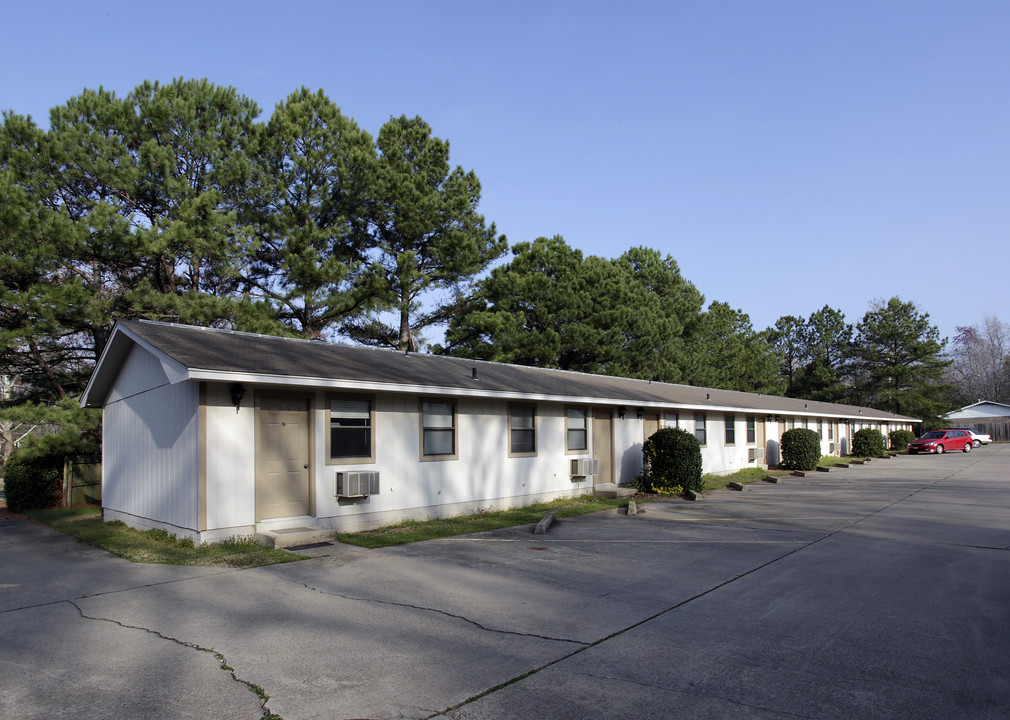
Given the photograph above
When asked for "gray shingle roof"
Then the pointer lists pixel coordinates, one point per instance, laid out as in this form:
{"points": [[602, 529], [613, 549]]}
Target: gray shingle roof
{"points": [[234, 353]]}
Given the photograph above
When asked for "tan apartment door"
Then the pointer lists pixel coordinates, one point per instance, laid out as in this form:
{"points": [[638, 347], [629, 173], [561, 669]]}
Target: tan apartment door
{"points": [[651, 424], [760, 441], [282, 457], [603, 447]]}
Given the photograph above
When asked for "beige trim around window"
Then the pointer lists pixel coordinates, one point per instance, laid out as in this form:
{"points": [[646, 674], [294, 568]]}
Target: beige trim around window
{"points": [[750, 427], [728, 421], [704, 427], [536, 446], [327, 410], [587, 418], [453, 428]]}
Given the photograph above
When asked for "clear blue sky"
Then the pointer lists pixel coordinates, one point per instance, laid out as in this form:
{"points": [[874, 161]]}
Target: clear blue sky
{"points": [[788, 155]]}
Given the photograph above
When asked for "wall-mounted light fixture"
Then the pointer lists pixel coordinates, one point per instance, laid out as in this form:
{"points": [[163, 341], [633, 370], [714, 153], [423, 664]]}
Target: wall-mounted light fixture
{"points": [[621, 410], [640, 413], [237, 391]]}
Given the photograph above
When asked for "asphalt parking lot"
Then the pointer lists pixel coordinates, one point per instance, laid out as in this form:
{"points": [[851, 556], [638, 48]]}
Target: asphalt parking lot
{"points": [[879, 591]]}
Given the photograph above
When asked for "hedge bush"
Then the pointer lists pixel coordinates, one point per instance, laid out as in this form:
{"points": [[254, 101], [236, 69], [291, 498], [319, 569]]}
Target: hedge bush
{"points": [[801, 449], [33, 482], [673, 459], [868, 443], [901, 438]]}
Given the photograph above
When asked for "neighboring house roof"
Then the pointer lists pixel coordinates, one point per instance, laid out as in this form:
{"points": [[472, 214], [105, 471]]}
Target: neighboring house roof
{"points": [[981, 409], [194, 353]]}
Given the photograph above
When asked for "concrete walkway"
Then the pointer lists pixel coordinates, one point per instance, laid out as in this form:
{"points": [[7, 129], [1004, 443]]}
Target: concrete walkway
{"points": [[880, 591]]}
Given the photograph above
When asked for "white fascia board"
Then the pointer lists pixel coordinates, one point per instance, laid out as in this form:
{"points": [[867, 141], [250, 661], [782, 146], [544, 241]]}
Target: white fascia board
{"points": [[357, 385]]}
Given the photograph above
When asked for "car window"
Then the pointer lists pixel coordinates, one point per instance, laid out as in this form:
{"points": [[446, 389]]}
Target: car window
{"points": [[932, 435]]}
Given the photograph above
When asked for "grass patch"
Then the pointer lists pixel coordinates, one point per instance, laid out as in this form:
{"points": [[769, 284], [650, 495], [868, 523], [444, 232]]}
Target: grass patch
{"points": [[414, 531], [156, 546], [747, 475], [832, 460]]}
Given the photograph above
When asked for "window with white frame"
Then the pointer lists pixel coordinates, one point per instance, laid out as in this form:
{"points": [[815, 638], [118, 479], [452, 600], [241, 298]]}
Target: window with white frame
{"points": [[672, 419], [438, 429], [751, 429], [522, 430], [576, 429], [730, 429], [351, 429]]}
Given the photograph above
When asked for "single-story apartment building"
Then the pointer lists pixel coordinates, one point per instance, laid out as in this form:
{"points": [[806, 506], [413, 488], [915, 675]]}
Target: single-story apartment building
{"points": [[212, 433]]}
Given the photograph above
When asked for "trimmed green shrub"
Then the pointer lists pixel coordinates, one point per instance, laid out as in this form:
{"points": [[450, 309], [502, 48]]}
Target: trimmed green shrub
{"points": [[673, 459], [901, 438], [868, 443], [34, 482], [801, 449]]}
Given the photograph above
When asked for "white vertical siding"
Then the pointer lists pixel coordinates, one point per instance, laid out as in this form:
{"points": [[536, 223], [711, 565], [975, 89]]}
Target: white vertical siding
{"points": [[231, 459], [150, 454]]}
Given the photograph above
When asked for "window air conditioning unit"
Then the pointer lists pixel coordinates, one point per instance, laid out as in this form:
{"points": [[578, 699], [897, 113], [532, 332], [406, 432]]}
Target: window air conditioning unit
{"points": [[581, 467], [357, 484], [755, 453]]}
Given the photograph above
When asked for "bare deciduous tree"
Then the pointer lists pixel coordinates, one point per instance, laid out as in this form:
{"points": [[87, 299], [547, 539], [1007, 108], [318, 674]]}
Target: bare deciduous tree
{"points": [[981, 361]]}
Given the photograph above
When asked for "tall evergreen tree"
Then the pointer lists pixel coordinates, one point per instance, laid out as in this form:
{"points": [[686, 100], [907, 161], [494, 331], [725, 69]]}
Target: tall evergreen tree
{"points": [[551, 307], [899, 355], [427, 234], [731, 355], [533, 311], [313, 173], [190, 142], [827, 345], [786, 338]]}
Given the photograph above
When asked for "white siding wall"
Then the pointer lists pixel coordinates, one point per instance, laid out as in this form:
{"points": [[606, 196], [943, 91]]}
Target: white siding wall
{"points": [[231, 461], [483, 476], [716, 456], [629, 436], [150, 464]]}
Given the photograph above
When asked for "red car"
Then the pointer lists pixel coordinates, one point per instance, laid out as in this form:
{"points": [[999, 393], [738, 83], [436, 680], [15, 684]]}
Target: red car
{"points": [[938, 441]]}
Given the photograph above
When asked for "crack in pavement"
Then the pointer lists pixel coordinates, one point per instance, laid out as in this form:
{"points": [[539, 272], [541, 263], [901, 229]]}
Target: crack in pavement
{"points": [[252, 687], [437, 611]]}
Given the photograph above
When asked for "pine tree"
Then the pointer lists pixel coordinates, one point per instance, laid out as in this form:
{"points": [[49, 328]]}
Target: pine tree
{"points": [[899, 355], [313, 172], [427, 233]]}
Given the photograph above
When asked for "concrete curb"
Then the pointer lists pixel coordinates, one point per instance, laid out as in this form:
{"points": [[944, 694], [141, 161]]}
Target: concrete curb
{"points": [[775, 479], [735, 486], [692, 495], [545, 524]]}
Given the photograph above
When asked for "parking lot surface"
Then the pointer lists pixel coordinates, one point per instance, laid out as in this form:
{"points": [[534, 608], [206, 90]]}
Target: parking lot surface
{"points": [[878, 591]]}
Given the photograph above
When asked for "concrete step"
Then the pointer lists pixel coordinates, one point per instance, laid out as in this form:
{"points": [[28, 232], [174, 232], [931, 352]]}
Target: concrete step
{"points": [[294, 536], [612, 490]]}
